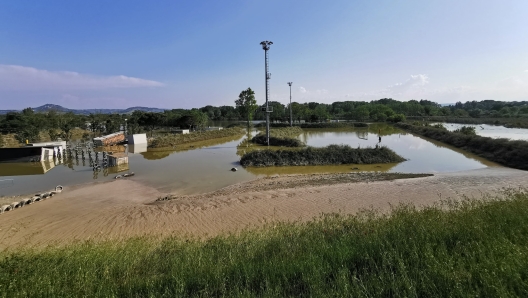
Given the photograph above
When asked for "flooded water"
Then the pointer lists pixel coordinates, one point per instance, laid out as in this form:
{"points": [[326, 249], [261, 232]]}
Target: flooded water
{"points": [[206, 166], [493, 131]]}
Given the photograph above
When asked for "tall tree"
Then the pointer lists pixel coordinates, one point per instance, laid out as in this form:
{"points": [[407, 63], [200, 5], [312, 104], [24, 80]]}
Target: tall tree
{"points": [[246, 104]]}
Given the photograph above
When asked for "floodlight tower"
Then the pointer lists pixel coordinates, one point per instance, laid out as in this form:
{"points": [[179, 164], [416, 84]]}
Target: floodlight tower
{"points": [[291, 118], [266, 46]]}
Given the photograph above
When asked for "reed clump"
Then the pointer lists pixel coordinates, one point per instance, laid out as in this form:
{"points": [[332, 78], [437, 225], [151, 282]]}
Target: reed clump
{"points": [[330, 155], [178, 139], [285, 137], [510, 153], [459, 249]]}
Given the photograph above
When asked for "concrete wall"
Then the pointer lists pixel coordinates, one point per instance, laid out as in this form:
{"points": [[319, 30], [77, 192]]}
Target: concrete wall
{"points": [[137, 139]]}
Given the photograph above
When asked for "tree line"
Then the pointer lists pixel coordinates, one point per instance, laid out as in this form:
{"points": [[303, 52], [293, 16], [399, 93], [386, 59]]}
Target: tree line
{"points": [[28, 125]]}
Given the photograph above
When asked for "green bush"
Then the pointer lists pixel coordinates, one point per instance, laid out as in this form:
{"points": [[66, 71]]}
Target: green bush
{"points": [[512, 154], [330, 155], [466, 130], [396, 118]]}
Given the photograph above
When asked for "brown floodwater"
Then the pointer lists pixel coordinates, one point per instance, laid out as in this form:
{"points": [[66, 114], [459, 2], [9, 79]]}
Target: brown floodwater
{"points": [[206, 166]]}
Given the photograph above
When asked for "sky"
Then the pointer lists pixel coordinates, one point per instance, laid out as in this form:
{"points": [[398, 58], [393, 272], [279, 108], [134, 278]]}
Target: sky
{"points": [[189, 54]]}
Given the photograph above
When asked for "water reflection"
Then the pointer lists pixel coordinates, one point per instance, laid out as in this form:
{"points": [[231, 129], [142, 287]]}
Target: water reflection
{"points": [[205, 166], [492, 131]]}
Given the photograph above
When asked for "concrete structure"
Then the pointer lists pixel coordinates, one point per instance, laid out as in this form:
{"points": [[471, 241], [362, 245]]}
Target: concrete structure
{"points": [[137, 148], [137, 139], [29, 153], [50, 148], [117, 159], [111, 139], [180, 131]]}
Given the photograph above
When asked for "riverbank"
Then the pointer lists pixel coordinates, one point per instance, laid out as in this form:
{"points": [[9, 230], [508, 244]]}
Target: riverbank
{"points": [[125, 208], [456, 248], [173, 140], [509, 153]]}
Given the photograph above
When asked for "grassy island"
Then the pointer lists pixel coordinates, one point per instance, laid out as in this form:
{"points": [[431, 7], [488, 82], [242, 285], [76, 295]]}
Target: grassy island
{"points": [[330, 155], [513, 154], [467, 249], [178, 139]]}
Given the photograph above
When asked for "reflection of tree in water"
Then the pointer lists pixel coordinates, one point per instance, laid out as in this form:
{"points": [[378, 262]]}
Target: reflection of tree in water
{"points": [[246, 145], [362, 134]]}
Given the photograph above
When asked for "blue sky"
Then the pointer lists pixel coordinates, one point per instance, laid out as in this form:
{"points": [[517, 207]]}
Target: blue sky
{"points": [[185, 54]]}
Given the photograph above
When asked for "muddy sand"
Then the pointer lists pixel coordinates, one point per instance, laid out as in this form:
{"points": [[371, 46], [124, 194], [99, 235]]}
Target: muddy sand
{"points": [[125, 208]]}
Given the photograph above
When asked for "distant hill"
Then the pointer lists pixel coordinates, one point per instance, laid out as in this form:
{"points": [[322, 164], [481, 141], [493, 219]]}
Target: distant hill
{"points": [[61, 109]]}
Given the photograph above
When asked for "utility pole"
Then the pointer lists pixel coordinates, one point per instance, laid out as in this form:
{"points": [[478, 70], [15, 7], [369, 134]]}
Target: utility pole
{"points": [[266, 46], [291, 118]]}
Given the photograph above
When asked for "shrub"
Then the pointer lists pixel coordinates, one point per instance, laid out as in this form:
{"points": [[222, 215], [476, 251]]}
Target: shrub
{"points": [[466, 130], [396, 118]]}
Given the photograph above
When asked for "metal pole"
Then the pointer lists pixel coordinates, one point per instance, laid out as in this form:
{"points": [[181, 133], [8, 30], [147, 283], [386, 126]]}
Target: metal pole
{"points": [[291, 117], [266, 45], [267, 89]]}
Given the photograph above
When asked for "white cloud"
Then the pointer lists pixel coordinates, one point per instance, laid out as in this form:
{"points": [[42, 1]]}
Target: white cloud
{"points": [[15, 77], [413, 83], [302, 89]]}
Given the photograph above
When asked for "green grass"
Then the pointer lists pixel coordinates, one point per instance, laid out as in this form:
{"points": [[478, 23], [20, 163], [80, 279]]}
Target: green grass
{"points": [[178, 139], [285, 136], [475, 249], [512, 154], [330, 155]]}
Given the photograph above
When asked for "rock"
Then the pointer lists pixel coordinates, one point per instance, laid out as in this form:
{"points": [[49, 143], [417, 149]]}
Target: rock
{"points": [[233, 169]]}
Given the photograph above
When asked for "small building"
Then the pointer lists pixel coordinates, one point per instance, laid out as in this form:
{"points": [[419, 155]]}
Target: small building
{"points": [[31, 153], [137, 139]]}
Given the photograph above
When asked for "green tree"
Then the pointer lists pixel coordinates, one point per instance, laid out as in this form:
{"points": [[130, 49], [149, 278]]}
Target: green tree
{"points": [[246, 104], [199, 119]]}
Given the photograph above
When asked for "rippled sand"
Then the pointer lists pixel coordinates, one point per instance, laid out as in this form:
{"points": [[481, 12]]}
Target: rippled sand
{"points": [[125, 208]]}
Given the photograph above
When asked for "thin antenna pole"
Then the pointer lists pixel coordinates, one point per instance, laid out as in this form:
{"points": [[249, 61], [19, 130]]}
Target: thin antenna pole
{"points": [[291, 117]]}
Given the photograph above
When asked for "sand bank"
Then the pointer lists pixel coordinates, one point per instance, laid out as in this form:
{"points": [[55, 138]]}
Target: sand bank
{"points": [[125, 208]]}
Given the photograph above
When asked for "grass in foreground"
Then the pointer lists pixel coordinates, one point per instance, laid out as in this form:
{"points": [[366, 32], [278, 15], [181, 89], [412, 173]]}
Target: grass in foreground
{"points": [[178, 139], [330, 155], [476, 248]]}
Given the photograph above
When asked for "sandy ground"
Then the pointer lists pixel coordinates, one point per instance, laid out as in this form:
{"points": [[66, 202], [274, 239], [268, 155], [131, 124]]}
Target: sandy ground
{"points": [[125, 208]]}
